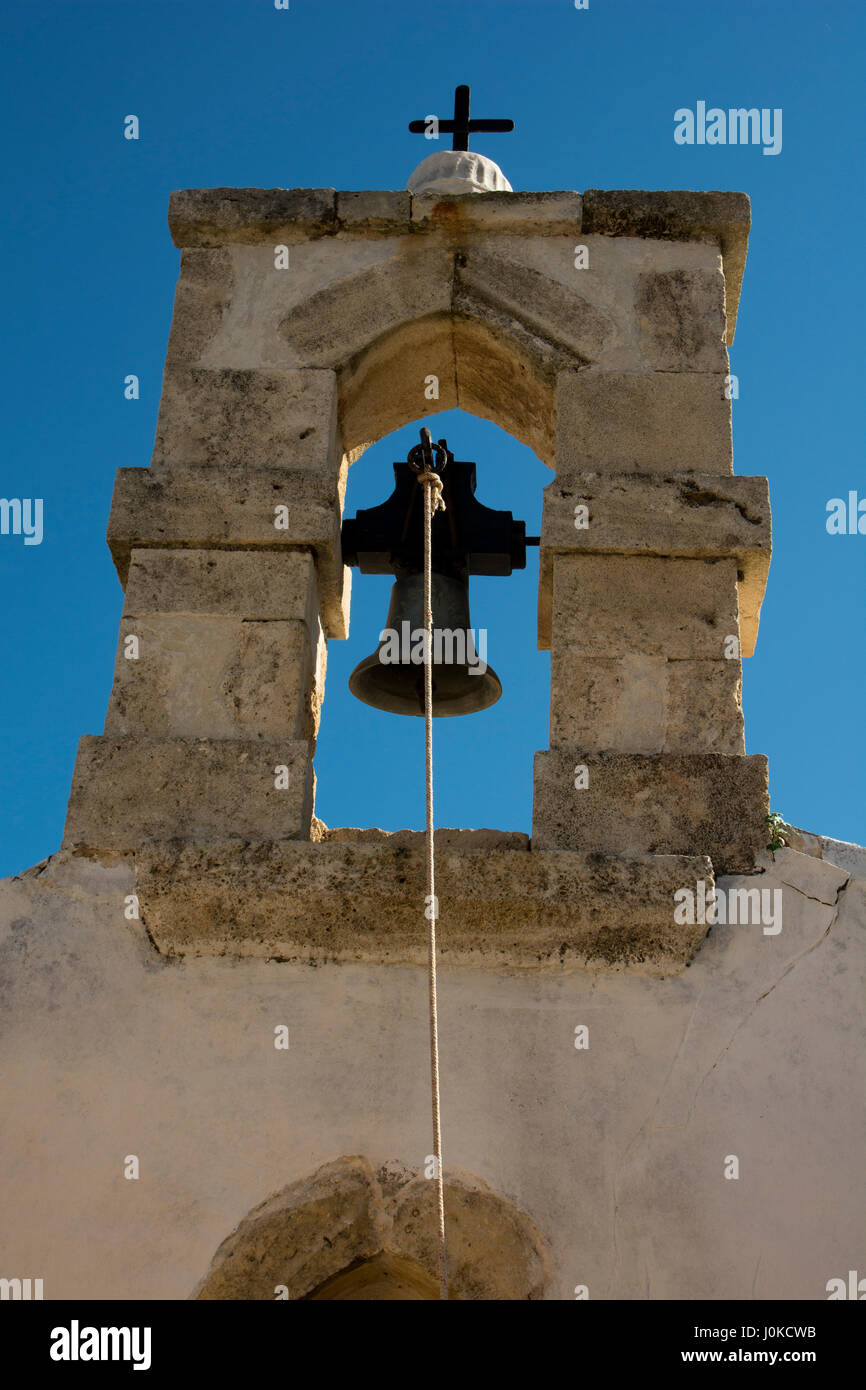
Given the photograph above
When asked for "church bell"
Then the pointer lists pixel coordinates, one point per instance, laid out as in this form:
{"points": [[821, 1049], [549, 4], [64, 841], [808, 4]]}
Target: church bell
{"points": [[467, 538], [392, 677]]}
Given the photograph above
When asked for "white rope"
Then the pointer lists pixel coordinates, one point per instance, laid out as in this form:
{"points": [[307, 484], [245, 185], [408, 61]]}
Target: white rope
{"points": [[433, 501]]}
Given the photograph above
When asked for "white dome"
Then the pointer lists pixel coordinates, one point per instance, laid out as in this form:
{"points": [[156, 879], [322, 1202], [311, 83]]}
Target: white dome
{"points": [[458, 171]]}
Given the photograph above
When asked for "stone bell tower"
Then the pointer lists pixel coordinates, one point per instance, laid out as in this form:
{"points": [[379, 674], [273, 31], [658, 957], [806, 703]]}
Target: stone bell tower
{"points": [[614, 1125], [592, 327]]}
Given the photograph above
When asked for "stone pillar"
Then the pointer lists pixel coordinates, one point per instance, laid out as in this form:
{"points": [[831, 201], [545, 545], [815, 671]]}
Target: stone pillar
{"points": [[653, 563], [228, 548]]}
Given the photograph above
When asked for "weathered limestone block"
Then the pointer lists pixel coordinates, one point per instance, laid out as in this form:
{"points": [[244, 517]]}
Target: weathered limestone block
{"points": [[657, 422], [614, 605], [205, 289], [501, 213], [216, 508], [375, 211], [504, 377], [386, 386], [126, 791], [254, 419], [331, 326], [508, 378], [360, 900], [645, 704], [197, 676], [514, 296], [221, 216], [665, 803], [676, 515], [285, 311], [680, 215], [681, 317], [267, 585]]}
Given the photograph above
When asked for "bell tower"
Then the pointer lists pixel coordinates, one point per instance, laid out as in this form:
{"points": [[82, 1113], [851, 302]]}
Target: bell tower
{"points": [[594, 328]]}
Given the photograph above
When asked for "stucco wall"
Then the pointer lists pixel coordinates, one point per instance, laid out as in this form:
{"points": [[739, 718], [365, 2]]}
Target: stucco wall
{"points": [[617, 1153]]}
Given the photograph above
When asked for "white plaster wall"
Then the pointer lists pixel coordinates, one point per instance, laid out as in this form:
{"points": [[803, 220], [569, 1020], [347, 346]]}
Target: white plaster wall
{"points": [[617, 1153]]}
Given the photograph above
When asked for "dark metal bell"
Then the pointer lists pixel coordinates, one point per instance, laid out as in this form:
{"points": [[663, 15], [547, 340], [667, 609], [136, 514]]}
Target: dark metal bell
{"points": [[392, 677]]}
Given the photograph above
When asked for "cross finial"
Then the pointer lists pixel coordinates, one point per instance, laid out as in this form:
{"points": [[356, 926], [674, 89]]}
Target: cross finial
{"points": [[461, 126]]}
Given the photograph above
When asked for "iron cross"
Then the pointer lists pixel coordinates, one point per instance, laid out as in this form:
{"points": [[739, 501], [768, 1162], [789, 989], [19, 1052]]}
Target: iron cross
{"points": [[461, 125]]}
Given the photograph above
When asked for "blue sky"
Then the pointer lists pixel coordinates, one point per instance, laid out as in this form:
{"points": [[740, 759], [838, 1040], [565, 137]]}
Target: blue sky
{"points": [[234, 92]]}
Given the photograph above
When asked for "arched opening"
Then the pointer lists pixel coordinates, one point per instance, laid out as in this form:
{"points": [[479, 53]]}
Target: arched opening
{"points": [[369, 764], [503, 376], [479, 335], [349, 1233]]}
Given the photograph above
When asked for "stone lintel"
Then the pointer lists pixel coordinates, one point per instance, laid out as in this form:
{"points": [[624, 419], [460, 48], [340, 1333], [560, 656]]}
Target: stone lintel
{"points": [[362, 901], [682, 516], [221, 216], [376, 211], [678, 215], [234, 509], [126, 791], [665, 803], [556, 213]]}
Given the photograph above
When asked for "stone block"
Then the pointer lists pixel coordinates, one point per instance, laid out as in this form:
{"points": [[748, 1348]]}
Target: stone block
{"points": [[127, 791], [683, 516], [556, 213], [205, 289], [331, 326], [686, 515], [658, 422], [216, 678], [255, 419], [267, 585], [520, 301], [222, 216], [386, 385], [361, 901], [681, 319], [498, 379], [618, 605], [678, 215], [644, 704], [235, 509], [704, 708], [375, 211], [665, 803]]}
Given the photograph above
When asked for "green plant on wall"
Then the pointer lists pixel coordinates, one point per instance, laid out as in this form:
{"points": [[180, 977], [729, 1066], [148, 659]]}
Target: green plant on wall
{"points": [[777, 824]]}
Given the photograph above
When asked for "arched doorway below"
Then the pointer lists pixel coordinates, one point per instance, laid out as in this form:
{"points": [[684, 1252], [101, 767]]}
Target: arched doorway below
{"points": [[350, 1233]]}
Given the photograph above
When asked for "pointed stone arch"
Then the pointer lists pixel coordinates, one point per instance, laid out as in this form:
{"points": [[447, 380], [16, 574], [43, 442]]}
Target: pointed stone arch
{"points": [[348, 1232], [492, 329], [478, 368]]}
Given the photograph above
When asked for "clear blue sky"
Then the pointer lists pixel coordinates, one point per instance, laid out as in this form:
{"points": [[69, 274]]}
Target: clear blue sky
{"points": [[234, 92]]}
